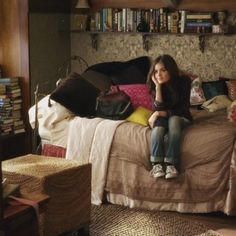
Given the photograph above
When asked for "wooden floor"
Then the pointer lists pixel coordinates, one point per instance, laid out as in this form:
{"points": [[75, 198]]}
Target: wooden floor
{"points": [[225, 225]]}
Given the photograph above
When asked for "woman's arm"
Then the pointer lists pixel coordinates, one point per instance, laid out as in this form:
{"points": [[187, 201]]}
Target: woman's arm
{"points": [[158, 95], [155, 116]]}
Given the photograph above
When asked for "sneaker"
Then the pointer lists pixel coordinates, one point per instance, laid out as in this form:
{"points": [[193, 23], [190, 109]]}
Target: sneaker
{"points": [[171, 172], [157, 171]]}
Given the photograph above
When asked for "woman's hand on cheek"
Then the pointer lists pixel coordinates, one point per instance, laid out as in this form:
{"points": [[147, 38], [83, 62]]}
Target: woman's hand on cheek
{"points": [[155, 81]]}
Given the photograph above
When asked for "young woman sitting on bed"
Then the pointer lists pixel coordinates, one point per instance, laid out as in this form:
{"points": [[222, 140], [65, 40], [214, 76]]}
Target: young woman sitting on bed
{"points": [[171, 91]]}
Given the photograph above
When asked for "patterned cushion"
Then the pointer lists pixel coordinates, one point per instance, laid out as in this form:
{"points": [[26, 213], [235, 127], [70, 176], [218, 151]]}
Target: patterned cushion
{"points": [[232, 112], [231, 85], [138, 93], [197, 95]]}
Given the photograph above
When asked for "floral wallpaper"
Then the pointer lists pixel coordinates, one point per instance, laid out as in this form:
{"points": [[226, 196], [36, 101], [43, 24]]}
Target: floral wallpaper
{"points": [[218, 58]]}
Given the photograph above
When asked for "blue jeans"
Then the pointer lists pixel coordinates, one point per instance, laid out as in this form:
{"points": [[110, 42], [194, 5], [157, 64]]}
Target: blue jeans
{"points": [[171, 126]]}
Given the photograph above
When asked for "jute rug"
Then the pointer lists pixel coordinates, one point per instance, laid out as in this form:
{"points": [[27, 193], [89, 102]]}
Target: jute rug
{"points": [[114, 220]]}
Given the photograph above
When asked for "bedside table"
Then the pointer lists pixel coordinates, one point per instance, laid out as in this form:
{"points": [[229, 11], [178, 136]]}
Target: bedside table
{"points": [[66, 182]]}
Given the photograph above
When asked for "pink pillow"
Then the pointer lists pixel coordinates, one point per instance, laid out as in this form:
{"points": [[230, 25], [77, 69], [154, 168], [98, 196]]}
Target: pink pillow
{"points": [[138, 93], [231, 85]]}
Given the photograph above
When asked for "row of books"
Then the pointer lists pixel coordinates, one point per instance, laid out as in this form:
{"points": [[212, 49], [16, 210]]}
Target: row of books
{"points": [[161, 20], [11, 121]]}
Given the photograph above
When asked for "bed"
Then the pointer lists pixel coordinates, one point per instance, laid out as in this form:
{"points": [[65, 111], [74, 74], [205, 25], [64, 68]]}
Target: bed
{"points": [[207, 180], [120, 150]]}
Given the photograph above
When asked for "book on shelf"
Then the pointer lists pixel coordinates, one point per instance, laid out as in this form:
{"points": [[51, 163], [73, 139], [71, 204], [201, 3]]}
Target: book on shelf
{"points": [[6, 121], [5, 114], [199, 15], [4, 100], [15, 90], [199, 20], [130, 20], [3, 96], [9, 83], [152, 21], [6, 130], [11, 107], [16, 100], [18, 122], [16, 106], [16, 114], [9, 80], [182, 21], [6, 108], [2, 88], [109, 20], [19, 131], [199, 24], [14, 95], [162, 20], [5, 104], [198, 29]]}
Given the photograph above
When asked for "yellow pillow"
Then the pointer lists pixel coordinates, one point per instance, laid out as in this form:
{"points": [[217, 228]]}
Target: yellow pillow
{"points": [[140, 116]]}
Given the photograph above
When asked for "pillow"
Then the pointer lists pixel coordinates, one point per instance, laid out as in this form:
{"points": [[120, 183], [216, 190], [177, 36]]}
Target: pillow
{"points": [[110, 68], [138, 93], [232, 112], [99, 80], [224, 78], [231, 86], [217, 103], [77, 95], [214, 88], [52, 114], [130, 75], [140, 116], [196, 95]]}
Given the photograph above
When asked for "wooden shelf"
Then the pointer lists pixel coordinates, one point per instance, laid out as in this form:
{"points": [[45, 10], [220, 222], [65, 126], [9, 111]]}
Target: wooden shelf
{"points": [[146, 35], [200, 5]]}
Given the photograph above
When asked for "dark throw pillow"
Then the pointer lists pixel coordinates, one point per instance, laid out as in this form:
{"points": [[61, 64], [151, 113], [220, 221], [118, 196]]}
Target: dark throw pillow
{"points": [[135, 70], [130, 75], [214, 88], [99, 80], [77, 95]]}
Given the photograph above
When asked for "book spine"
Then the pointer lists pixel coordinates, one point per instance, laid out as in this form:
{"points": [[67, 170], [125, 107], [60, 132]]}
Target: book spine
{"points": [[124, 19], [204, 24], [199, 16], [109, 20], [129, 20]]}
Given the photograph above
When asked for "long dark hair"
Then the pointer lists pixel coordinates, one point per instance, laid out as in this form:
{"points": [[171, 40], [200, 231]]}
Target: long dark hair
{"points": [[173, 69]]}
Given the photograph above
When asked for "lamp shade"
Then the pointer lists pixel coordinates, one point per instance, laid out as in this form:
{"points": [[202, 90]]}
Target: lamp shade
{"points": [[82, 4]]}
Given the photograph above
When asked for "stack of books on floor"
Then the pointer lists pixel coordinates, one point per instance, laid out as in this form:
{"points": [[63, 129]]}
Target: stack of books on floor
{"points": [[11, 121]]}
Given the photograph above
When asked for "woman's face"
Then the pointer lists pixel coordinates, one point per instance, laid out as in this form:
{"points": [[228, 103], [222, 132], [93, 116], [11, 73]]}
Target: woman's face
{"points": [[161, 75]]}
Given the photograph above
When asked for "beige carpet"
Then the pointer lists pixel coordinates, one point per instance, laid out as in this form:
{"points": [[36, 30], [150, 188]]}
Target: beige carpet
{"points": [[114, 220]]}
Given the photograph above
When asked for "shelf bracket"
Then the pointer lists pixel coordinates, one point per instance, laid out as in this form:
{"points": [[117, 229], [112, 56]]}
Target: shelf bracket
{"points": [[202, 42], [94, 41], [146, 42]]}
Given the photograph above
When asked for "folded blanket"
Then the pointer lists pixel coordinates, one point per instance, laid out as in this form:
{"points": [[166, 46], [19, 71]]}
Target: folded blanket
{"points": [[90, 141]]}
